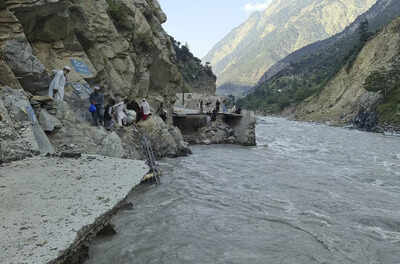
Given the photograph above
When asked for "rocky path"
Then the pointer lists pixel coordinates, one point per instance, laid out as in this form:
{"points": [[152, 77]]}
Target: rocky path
{"points": [[49, 203]]}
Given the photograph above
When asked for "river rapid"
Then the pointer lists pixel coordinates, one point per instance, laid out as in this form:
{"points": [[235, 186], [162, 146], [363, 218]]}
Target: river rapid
{"points": [[306, 194]]}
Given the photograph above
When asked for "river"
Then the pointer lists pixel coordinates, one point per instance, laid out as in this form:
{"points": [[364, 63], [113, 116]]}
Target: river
{"points": [[306, 194]]}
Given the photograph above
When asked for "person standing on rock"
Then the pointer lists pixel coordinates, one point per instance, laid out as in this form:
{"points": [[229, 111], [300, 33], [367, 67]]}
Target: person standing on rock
{"points": [[56, 88], [108, 114], [120, 111], [145, 107], [135, 106], [238, 110], [97, 99]]}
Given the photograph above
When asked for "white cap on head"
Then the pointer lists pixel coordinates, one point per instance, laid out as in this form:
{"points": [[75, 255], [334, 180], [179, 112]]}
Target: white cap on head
{"points": [[97, 88], [144, 100], [67, 68]]}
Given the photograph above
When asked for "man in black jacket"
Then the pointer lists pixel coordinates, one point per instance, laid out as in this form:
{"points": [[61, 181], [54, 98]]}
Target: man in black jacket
{"points": [[97, 99]]}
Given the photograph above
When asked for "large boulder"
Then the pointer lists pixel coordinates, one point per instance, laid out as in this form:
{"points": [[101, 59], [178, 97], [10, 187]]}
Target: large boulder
{"points": [[183, 146], [245, 130], [112, 146], [30, 71], [20, 132], [165, 141], [367, 116], [7, 77], [48, 122]]}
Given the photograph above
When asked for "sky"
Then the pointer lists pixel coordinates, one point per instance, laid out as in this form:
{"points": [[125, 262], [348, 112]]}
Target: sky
{"points": [[202, 23]]}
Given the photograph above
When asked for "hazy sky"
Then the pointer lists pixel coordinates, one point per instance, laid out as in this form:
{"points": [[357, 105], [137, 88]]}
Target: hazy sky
{"points": [[202, 23]]}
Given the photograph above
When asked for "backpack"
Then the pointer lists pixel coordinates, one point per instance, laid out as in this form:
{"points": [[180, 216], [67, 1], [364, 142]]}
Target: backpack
{"points": [[92, 108]]}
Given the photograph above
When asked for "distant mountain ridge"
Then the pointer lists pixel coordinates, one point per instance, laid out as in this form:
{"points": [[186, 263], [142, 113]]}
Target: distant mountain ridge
{"points": [[307, 71], [247, 52], [381, 13]]}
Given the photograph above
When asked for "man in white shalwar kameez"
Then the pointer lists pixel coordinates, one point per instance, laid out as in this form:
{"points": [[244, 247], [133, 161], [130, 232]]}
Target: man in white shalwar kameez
{"points": [[57, 85]]}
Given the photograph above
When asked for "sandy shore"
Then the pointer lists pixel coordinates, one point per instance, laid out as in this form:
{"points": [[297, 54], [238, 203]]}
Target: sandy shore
{"points": [[47, 203]]}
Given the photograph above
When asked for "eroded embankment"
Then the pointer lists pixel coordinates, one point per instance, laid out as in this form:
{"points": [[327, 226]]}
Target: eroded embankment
{"points": [[51, 206]]}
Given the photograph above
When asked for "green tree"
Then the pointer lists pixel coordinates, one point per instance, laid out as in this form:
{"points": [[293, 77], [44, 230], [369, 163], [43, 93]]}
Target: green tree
{"points": [[363, 31]]}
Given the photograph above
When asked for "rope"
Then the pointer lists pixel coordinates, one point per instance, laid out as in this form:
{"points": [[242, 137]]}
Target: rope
{"points": [[150, 158]]}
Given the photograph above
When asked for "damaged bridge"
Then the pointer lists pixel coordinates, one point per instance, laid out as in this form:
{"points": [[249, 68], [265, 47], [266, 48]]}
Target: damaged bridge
{"points": [[228, 128]]}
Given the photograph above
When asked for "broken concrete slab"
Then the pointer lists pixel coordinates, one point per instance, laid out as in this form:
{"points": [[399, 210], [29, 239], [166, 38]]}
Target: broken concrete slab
{"points": [[48, 204]]}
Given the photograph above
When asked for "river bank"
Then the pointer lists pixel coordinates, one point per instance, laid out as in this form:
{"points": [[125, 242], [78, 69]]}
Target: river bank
{"points": [[307, 194], [51, 206], [365, 121]]}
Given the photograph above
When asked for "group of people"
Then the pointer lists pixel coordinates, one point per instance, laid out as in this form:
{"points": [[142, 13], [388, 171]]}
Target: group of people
{"points": [[208, 107], [217, 108], [115, 112]]}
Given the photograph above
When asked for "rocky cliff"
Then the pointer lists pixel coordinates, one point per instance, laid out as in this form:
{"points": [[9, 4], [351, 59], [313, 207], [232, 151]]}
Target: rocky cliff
{"points": [[246, 53], [198, 78], [368, 93], [117, 44]]}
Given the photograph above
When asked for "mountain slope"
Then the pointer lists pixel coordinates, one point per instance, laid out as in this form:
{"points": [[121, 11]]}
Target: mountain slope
{"points": [[198, 78], [246, 53], [368, 94], [307, 71]]}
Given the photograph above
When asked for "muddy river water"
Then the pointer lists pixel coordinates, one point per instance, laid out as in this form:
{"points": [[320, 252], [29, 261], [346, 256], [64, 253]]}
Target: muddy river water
{"points": [[306, 194]]}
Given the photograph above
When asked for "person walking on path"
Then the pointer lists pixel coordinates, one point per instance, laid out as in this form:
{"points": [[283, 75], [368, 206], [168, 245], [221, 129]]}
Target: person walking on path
{"points": [[224, 110], [120, 111], [217, 105], [57, 85], [161, 112], [145, 107], [97, 99], [201, 106]]}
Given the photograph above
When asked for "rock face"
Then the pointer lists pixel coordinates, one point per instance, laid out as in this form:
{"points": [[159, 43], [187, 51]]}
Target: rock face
{"points": [[48, 122], [368, 93], [121, 42], [117, 44], [21, 135], [26, 66], [111, 146], [197, 77], [247, 52]]}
